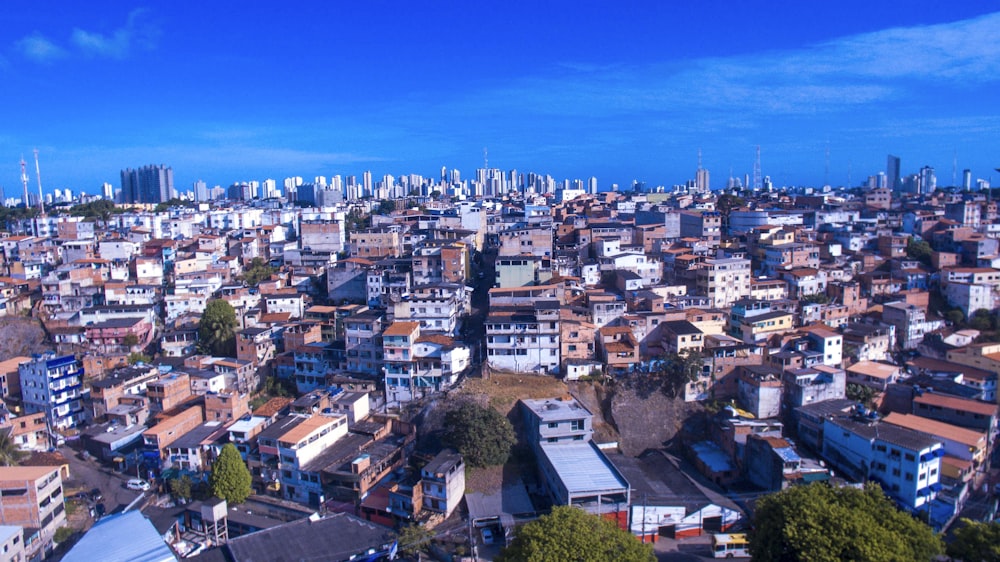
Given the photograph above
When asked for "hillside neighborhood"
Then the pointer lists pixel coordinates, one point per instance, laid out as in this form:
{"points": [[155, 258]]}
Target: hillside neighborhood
{"points": [[424, 370]]}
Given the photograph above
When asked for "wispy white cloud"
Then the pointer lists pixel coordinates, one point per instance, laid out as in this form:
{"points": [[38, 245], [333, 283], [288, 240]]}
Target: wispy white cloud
{"points": [[838, 75], [39, 48], [138, 31]]}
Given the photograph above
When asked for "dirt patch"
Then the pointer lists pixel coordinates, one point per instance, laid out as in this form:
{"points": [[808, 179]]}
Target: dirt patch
{"points": [[484, 480], [503, 390], [636, 423]]}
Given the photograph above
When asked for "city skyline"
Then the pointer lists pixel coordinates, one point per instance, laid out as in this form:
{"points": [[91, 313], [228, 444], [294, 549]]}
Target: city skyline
{"points": [[571, 90]]}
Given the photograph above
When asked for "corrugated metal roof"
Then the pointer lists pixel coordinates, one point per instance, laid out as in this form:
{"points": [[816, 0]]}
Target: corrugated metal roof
{"points": [[128, 537], [583, 468]]}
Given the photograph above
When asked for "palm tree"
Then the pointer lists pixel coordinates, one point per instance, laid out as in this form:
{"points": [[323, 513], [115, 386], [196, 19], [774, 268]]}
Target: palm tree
{"points": [[10, 454]]}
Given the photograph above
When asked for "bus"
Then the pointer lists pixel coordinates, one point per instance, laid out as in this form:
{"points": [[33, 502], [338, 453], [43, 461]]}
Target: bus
{"points": [[730, 546]]}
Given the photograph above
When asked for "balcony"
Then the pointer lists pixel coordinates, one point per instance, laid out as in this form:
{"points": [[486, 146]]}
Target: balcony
{"points": [[58, 376]]}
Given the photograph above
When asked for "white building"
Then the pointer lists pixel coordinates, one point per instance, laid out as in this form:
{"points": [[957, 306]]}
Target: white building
{"points": [[524, 339], [906, 463], [724, 280]]}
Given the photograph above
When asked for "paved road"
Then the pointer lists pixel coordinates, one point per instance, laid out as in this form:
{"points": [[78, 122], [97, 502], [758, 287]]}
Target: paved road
{"points": [[87, 475]]}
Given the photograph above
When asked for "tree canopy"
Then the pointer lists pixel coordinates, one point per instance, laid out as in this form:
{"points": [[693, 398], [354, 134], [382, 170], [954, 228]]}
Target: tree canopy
{"points": [[822, 523], [100, 209], [258, 270], [975, 541], [919, 250], [172, 202], [571, 534], [10, 453], [669, 373], [414, 538], [483, 435], [217, 329], [230, 478]]}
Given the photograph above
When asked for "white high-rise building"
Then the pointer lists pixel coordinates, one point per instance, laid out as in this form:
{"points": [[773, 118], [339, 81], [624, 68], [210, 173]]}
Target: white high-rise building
{"points": [[592, 185], [269, 189], [366, 183], [701, 181], [108, 190]]}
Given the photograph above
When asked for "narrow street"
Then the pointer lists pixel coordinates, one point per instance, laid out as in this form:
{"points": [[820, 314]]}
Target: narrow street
{"points": [[85, 475]]}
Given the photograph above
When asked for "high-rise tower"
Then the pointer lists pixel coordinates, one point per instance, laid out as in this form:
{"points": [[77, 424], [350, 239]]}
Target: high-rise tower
{"points": [[148, 184], [892, 172], [701, 178], [756, 171]]}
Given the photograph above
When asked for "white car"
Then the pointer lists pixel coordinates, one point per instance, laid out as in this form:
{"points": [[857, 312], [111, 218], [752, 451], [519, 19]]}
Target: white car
{"points": [[137, 484], [487, 536]]}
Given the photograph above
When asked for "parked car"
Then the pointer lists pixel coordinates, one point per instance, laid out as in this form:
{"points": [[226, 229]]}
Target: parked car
{"points": [[487, 536], [137, 484], [96, 495]]}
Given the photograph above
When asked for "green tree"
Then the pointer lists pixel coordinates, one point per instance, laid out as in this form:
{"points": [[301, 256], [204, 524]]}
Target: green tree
{"points": [[861, 393], [258, 270], [134, 358], [181, 487], [130, 340], [217, 329], [63, 534], [975, 541], [816, 298], [954, 316], [673, 371], [230, 478], [571, 534], [822, 523], [101, 209], [172, 202], [982, 320], [414, 538], [483, 435], [385, 207], [919, 250], [10, 453]]}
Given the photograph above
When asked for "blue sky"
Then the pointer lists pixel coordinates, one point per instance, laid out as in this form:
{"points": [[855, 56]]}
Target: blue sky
{"points": [[228, 91]]}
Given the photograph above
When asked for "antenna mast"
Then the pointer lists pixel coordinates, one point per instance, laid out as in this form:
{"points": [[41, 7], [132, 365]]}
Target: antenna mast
{"points": [[24, 180], [38, 174]]}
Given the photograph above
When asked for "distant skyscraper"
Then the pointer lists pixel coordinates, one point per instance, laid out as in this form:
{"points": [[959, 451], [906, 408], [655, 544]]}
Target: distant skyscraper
{"points": [[892, 172], [928, 181], [592, 185], [148, 184], [108, 190], [701, 181], [877, 181], [366, 183], [201, 191], [967, 179]]}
